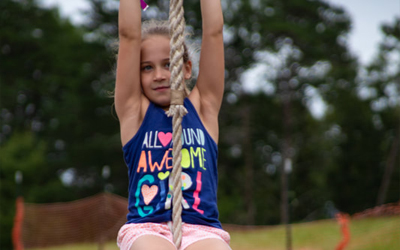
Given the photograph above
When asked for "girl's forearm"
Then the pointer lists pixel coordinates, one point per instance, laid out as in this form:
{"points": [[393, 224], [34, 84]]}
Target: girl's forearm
{"points": [[212, 18], [129, 19]]}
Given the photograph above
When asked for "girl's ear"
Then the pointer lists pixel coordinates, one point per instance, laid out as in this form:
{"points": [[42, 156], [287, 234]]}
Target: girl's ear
{"points": [[188, 70]]}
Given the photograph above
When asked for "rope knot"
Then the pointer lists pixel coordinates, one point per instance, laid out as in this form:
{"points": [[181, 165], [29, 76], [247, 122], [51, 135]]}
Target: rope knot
{"points": [[176, 107], [177, 97]]}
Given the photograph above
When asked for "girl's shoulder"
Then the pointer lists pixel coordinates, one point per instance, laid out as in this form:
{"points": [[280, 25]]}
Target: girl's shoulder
{"points": [[194, 98], [207, 113], [133, 120]]}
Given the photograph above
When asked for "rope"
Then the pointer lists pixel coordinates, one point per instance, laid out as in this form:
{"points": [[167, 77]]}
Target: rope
{"points": [[177, 111]]}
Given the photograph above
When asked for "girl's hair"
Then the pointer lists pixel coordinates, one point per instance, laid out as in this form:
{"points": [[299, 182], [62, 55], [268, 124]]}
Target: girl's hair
{"points": [[160, 27]]}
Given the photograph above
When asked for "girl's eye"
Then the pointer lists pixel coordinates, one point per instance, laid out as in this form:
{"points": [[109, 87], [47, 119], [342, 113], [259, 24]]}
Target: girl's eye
{"points": [[146, 68], [167, 65]]}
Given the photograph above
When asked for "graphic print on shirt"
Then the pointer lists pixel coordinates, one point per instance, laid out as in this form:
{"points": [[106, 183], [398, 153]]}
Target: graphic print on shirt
{"points": [[186, 184], [153, 185], [149, 209]]}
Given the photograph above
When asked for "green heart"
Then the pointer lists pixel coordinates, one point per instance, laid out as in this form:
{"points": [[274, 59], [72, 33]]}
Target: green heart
{"points": [[163, 176]]}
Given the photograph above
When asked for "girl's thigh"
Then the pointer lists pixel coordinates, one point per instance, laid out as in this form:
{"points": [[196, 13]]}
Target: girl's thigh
{"points": [[145, 236], [152, 242], [209, 244]]}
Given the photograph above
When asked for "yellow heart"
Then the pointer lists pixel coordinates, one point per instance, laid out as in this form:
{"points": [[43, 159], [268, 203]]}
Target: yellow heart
{"points": [[163, 176]]}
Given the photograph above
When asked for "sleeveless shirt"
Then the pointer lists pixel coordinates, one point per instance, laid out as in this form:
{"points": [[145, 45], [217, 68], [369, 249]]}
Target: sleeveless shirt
{"points": [[148, 156]]}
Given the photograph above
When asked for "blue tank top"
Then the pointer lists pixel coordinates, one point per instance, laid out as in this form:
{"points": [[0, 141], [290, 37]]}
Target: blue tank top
{"points": [[148, 156]]}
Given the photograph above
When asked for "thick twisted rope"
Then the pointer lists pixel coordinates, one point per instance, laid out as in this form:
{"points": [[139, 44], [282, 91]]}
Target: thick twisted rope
{"points": [[177, 111]]}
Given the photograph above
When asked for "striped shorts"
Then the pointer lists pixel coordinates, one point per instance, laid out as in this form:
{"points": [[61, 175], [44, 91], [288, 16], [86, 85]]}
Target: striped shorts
{"points": [[190, 233]]}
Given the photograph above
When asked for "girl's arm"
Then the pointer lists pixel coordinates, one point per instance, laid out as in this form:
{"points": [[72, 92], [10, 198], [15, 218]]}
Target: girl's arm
{"points": [[208, 92], [127, 89]]}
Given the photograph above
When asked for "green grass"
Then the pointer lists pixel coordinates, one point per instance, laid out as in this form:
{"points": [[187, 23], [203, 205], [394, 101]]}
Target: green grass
{"points": [[366, 234]]}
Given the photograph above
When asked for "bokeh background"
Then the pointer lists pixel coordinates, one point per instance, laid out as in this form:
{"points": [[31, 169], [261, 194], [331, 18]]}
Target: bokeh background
{"points": [[308, 126]]}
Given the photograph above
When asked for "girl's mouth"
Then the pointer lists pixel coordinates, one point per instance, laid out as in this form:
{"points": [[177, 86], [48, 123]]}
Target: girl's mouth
{"points": [[162, 88]]}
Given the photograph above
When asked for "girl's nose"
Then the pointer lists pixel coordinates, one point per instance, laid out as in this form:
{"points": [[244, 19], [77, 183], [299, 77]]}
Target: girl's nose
{"points": [[159, 75]]}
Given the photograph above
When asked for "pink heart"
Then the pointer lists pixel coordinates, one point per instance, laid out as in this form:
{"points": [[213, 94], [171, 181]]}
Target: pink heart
{"points": [[149, 193], [165, 138]]}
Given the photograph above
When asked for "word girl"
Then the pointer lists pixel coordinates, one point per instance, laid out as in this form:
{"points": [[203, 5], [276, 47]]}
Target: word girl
{"points": [[142, 95]]}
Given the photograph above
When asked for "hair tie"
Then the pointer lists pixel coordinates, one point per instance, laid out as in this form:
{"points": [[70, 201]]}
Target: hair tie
{"points": [[144, 5]]}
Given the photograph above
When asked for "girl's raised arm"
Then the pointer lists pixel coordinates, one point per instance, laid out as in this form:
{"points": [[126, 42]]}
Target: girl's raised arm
{"points": [[208, 92], [128, 89]]}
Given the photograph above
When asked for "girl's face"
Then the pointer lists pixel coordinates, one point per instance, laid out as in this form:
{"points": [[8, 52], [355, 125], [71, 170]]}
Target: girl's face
{"points": [[154, 70]]}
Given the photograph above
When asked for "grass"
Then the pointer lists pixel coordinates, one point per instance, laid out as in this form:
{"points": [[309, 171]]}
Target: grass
{"points": [[366, 234]]}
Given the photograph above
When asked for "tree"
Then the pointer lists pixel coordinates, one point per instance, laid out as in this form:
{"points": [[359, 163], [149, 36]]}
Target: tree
{"points": [[380, 87], [55, 114], [288, 42], [368, 121]]}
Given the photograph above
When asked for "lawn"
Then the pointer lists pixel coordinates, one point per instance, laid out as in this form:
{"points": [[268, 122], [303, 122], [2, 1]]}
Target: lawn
{"points": [[381, 233], [365, 234]]}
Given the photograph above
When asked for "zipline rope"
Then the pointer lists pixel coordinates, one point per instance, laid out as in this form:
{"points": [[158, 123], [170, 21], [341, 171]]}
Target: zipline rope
{"points": [[177, 111]]}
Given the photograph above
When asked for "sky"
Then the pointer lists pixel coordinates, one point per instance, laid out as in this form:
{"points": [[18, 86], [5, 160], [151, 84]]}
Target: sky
{"points": [[367, 16]]}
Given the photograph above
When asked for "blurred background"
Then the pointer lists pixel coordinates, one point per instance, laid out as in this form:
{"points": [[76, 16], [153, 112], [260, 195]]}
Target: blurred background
{"points": [[309, 125]]}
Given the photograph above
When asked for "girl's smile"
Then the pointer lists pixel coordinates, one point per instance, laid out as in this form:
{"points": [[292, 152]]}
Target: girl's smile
{"points": [[162, 88]]}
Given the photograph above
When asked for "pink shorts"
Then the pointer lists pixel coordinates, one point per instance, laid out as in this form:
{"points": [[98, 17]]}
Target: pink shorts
{"points": [[190, 233]]}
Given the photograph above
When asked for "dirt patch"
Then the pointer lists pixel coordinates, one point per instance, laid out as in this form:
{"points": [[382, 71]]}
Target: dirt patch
{"points": [[389, 209]]}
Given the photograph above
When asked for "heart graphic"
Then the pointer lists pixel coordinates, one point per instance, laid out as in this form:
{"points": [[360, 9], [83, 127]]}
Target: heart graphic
{"points": [[163, 176], [149, 193], [165, 138]]}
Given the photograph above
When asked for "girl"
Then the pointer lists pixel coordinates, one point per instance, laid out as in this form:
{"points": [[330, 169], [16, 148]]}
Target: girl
{"points": [[142, 95]]}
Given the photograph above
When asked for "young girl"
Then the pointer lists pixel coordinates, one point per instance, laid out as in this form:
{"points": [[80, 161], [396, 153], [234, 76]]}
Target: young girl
{"points": [[142, 95]]}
